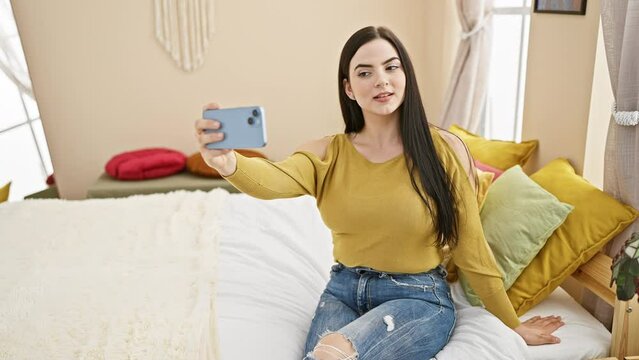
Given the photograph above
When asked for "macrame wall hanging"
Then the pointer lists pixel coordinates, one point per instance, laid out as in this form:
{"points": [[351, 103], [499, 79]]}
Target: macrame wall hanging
{"points": [[184, 28]]}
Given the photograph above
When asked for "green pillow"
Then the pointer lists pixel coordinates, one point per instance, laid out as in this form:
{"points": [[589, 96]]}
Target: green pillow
{"points": [[518, 217]]}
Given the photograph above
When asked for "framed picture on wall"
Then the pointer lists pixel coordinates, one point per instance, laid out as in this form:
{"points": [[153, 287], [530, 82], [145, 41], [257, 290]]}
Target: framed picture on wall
{"points": [[573, 7]]}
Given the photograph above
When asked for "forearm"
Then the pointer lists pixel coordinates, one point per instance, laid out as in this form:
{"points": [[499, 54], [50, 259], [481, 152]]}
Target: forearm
{"points": [[265, 179], [493, 295]]}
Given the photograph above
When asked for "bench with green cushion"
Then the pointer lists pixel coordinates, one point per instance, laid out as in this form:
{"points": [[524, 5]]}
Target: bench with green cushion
{"points": [[49, 193], [108, 187]]}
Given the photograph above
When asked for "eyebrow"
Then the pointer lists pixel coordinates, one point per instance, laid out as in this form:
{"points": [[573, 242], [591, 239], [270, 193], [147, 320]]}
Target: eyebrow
{"points": [[384, 63]]}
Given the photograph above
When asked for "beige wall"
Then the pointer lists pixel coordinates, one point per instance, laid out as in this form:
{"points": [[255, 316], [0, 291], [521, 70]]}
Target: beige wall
{"points": [[559, 79], [568, 96], [443, 35], [104, 84]]}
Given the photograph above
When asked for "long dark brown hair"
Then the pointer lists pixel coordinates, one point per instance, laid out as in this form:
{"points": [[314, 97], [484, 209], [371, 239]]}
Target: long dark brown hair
{"points": [[419, 150]]}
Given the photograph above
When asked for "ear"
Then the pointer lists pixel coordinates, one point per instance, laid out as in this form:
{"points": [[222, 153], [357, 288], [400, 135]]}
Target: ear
{"points": [[348, 90]]}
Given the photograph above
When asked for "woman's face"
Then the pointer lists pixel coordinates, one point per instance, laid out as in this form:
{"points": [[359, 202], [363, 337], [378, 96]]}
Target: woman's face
{"points": [[377, 79]]}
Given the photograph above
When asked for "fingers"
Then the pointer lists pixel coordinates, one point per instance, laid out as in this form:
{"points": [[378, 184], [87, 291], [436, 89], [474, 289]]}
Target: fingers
{"points": [[212, 153], [548, 339], [204, 138], [532, 320], [206, 124], [542, 339], [547, 320], [552, 327], [207, 138], [211, 106], [551, 322], [548, 324], [543, 321]]}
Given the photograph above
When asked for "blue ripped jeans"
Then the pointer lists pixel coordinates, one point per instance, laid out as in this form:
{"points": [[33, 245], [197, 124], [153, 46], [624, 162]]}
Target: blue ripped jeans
{"points": [[385, 315]]}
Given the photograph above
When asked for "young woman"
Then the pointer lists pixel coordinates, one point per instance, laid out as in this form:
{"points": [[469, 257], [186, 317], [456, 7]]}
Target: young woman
{"points": [[394, 191]]}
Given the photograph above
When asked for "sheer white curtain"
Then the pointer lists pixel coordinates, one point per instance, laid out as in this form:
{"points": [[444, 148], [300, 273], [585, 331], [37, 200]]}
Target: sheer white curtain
{"points": [[11, 59], [465, 97]]}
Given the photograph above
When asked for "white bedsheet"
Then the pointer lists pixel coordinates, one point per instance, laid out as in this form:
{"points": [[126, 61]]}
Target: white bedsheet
{"points": [[273, 268], [274, 262], [134, 277], [583, 337]]}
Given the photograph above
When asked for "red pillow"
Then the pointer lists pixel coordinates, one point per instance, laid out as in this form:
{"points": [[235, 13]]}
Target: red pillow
{"points": [[483, 167], [146, 164]]}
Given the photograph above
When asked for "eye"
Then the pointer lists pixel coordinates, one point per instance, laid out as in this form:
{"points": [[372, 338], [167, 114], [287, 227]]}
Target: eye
{"points": [[392, 67], [364, 73]]}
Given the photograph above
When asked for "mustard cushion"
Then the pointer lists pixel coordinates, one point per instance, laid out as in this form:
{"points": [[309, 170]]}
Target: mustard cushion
{"points": [[4, 192], [596, 219], [497, 153], [518, 217], [485, 180], [196, 165]]}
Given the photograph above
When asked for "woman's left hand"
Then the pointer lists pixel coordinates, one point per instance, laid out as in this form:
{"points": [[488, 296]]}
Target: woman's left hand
{"points": [[537, 330]]}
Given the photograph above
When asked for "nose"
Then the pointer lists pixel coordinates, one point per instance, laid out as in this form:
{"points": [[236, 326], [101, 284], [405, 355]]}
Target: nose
{"points": [[381, 82]]}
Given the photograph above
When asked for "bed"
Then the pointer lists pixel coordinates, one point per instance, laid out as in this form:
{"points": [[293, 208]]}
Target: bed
{"points": [[202, 275]]}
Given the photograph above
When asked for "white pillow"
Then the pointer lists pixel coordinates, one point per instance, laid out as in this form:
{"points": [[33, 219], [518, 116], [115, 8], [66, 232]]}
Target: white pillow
{"points": [[274, 261]]}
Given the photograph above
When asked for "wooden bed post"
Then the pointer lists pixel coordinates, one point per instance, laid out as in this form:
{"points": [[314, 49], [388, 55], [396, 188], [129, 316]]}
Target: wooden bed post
{"points": [[625, 329], [595, 276]]}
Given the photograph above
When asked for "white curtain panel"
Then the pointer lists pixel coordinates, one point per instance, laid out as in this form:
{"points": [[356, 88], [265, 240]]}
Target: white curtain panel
{"points": [[466, 94], [12, 62], [620, 24]]}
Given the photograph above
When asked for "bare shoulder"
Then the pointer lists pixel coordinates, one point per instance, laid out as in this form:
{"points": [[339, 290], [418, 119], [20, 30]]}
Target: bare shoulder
{"points": [[462, 152], [456, 144], [317, 147]]}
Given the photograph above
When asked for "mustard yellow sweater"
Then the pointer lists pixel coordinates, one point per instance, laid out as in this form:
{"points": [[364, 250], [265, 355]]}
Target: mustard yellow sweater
{"points": [[376, 218]]}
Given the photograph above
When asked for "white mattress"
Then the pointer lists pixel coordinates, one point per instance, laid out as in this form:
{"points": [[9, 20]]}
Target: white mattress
{"points": [[273, 267], [583, 337]]}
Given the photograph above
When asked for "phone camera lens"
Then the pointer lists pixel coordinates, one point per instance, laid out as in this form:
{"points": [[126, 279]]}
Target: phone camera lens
{"points": [[251, 121], [255, 112]]}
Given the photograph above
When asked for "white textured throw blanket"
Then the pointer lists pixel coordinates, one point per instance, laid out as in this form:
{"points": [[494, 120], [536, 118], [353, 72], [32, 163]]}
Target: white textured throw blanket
{"points": [[109, 279]]}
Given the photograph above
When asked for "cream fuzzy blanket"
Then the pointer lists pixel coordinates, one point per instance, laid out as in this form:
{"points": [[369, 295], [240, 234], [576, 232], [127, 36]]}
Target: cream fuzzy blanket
{"points": [[126, 278]]}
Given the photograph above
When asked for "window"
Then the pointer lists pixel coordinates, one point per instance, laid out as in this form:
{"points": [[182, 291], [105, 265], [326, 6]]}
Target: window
{"points": [[24, 155], [503, 111]]}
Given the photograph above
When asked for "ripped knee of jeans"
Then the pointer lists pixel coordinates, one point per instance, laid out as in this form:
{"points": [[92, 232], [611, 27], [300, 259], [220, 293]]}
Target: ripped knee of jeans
{"points": [[329, 350]]}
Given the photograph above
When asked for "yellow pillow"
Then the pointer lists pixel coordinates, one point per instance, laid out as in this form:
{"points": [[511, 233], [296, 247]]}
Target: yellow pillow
{"points": [[4, 192], [498, 153], [485, 179], [596, 219]]}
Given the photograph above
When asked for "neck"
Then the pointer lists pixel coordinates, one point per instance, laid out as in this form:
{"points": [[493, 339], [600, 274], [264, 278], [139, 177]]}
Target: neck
{"points": [[380, 130]]}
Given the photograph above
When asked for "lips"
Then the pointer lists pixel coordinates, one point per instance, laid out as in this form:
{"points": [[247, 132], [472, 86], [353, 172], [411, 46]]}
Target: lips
{"points": [[383, 95]]}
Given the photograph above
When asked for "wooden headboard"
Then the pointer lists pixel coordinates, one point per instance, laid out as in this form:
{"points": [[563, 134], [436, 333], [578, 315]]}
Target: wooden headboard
{"points": [[595, 276]]}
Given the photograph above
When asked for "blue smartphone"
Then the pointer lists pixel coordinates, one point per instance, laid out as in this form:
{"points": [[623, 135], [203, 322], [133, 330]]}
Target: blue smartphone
{"points": [[243, 127]]}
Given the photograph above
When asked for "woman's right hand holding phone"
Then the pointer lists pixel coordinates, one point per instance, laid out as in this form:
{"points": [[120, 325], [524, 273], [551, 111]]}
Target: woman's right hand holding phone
{"points": [[222, 160]]}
